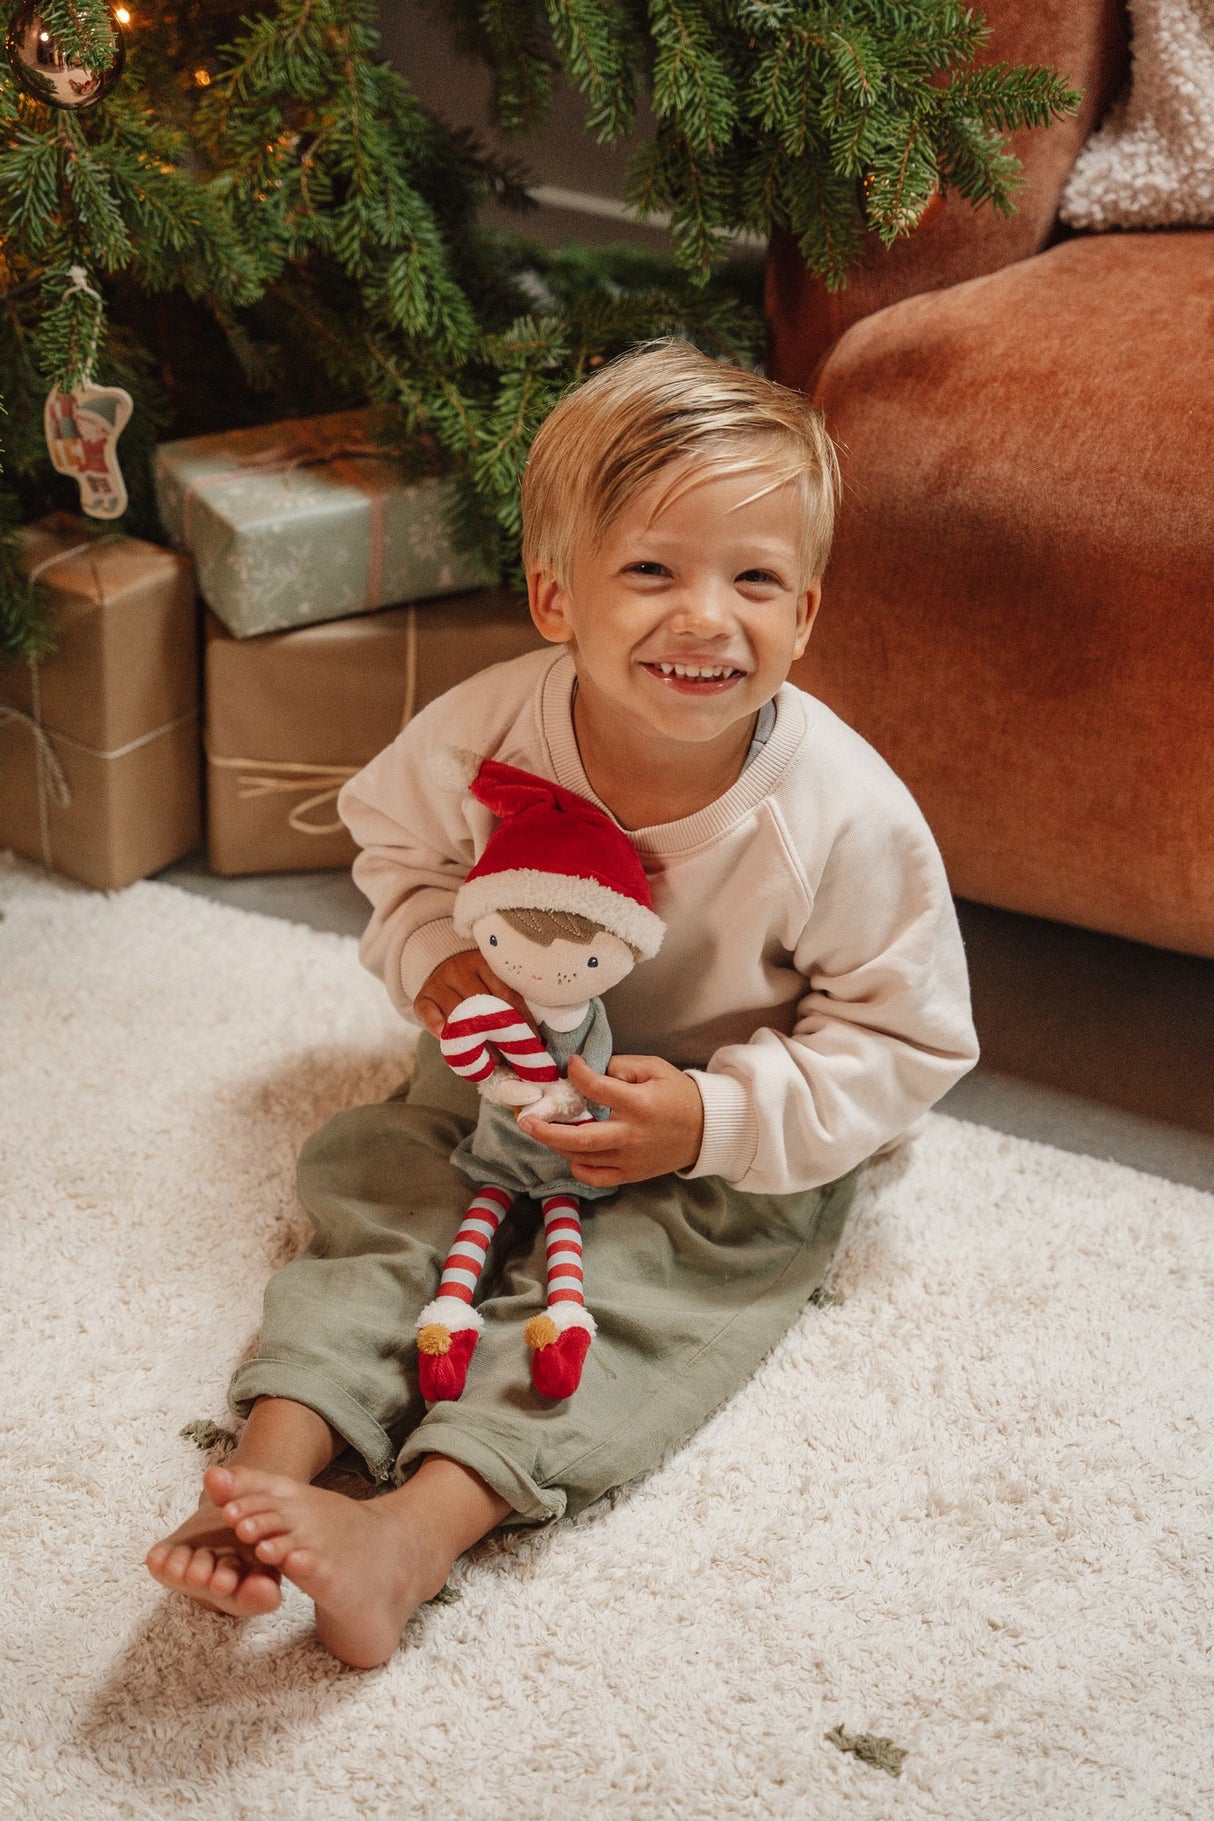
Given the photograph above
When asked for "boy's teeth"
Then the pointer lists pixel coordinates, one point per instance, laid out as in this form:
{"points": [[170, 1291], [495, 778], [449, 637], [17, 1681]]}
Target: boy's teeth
{"points": [[701, 671]]}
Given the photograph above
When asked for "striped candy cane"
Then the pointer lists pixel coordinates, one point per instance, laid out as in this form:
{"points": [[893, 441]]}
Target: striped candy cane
{"points": [[484, 1023]]}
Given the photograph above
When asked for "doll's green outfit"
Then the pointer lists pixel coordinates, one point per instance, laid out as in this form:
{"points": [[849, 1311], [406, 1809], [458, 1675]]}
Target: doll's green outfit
{"points": [[499, 1152]]}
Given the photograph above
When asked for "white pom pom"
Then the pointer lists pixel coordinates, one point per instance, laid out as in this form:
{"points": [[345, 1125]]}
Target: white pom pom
{"points": [[453, 767]]}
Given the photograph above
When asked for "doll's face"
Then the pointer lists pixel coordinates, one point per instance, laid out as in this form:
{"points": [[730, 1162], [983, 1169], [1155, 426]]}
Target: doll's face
{"points": [[554, 973]]}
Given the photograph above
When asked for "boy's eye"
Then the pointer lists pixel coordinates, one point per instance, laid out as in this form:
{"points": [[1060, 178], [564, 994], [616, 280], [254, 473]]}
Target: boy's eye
{"points": [[593, 961], [646, 569], [759, 575]]}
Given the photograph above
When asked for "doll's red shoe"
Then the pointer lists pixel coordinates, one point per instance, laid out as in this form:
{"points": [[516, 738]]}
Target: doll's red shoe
{"points": [[559, 1344], [446, 1341]]}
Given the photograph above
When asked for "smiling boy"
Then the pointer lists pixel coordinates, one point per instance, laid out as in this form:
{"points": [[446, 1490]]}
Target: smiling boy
{"points": [[809, 1002]]}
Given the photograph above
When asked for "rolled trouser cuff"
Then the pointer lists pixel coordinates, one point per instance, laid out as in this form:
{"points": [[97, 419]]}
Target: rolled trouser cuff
{"points": [[304, 1385], [531, 1503]]}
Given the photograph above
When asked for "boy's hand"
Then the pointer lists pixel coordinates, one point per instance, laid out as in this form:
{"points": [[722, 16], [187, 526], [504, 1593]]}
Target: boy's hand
{"points": [[456, 978], [656, 1124]]}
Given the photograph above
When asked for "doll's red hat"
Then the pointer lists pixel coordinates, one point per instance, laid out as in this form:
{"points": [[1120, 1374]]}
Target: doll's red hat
{"points": [[553, 850]]}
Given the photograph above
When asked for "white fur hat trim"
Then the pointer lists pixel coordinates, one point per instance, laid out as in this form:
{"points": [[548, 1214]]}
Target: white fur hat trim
{"points": [[452, 1313], [570, 1315], [527, 888]]}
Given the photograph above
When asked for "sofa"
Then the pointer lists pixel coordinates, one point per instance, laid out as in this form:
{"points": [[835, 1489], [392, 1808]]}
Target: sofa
{"points": [[1019, 610]]}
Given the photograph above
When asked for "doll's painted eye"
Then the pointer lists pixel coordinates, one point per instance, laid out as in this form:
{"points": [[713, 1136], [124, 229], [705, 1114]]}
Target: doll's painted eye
{"points": [[493, 942], [593, 961]]}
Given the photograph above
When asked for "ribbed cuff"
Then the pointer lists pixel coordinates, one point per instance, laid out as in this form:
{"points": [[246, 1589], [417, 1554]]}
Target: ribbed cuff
{"points": [[426, 948], [731, 1128]]}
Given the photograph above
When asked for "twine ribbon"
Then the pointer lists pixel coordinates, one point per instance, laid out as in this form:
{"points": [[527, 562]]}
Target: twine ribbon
{"points": [[310, 449], [284, 777], [51, 781], [47, 769]]}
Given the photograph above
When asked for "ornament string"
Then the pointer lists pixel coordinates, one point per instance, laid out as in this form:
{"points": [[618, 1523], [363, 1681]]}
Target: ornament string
{"points": [[80, 282]]}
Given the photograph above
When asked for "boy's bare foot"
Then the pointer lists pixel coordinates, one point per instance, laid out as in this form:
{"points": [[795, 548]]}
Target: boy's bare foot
{"points": [[205, 1560], [365, 1565]]}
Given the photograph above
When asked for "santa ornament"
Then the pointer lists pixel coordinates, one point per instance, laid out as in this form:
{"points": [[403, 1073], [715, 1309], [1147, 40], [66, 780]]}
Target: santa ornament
{"points": [[559, 906]]}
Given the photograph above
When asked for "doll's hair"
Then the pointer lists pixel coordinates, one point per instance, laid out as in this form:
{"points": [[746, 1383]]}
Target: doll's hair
{"points": [[665, 405], [544, 927]]}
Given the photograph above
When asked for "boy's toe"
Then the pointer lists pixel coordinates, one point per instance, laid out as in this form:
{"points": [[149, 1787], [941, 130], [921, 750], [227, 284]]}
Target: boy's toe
{"points": [[201, 1568], [179, 1559], [272, 1549], [225, 1579], [219, 1484], [258, 1594]]}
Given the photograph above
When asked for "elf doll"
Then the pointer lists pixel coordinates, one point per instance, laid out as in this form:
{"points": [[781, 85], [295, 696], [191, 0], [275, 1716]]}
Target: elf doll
{"points": [[559, 906]]}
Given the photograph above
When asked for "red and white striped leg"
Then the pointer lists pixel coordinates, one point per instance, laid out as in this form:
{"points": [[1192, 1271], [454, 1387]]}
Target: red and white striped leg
{"points": [[449, 1327], [560, 1338]]}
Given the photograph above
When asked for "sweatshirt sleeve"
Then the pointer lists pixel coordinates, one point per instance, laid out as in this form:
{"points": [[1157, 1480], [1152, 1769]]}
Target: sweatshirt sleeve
{"points": [[883, 1029], [417, 848]]}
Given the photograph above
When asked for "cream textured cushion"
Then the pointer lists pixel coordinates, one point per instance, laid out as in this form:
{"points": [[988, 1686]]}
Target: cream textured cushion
{"points": [[1151, 163]]}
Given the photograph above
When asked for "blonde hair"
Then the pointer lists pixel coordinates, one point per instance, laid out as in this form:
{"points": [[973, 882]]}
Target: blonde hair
{"points": [[664, 405]]}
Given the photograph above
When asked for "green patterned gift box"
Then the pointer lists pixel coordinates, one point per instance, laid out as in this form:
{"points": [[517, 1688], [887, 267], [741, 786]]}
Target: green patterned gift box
{"points": [[293, 523]]}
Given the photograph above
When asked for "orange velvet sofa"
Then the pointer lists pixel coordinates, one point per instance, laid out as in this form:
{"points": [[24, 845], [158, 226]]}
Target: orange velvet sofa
{"points": [[1019, 611]]}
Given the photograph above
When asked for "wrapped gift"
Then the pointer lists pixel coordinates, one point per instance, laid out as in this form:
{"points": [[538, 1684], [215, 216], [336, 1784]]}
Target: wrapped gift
{"points": [[290, 717], [294, 523], [99, 758]]}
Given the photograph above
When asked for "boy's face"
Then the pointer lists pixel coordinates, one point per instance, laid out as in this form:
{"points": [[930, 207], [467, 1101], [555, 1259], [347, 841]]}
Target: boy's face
{"points": [[712, 586], [559, 973]]}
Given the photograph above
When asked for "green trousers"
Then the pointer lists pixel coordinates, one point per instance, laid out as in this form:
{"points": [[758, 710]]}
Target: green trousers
{"points": [[690, 1283]]}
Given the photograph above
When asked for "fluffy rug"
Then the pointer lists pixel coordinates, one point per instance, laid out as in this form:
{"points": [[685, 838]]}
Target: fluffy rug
{"points": [[947, 1555], [1150, 163]]}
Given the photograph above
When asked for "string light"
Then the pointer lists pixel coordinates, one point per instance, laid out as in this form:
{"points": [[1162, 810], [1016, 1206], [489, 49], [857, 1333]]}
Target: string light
{"points": [[122, 15], [202, 79]]}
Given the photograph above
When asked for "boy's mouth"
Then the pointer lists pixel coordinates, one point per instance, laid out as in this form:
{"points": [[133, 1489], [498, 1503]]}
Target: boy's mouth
{"points": [[695, 678]]}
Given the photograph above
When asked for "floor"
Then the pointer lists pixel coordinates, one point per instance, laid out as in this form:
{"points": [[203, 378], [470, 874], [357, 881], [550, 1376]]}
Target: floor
{"points": [[1090, 1043]]}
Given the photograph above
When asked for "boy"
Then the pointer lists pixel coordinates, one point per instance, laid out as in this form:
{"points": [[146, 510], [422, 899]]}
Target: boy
{"points": [[808, 1003]]}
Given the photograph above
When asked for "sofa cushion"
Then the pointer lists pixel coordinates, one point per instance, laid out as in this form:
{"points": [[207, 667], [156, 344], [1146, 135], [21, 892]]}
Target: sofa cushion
{"points": [[1018, 612]]}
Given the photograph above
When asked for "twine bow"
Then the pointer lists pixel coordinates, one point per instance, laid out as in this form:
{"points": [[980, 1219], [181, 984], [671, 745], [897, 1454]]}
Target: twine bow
{"points": [[278, 777], [284, 777], [51, 781]]}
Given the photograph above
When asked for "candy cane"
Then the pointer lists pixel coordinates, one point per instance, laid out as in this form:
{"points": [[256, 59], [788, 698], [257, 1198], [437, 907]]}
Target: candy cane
{"points": [[484, 1023]]}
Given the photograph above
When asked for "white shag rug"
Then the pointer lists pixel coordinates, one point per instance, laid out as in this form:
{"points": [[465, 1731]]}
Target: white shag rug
{"points": [[1150, 163], [962, 1513]]}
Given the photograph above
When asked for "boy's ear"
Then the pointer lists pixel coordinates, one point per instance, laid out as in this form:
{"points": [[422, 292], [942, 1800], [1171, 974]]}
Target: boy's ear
{"points": [[549, 605], [807, 613]]}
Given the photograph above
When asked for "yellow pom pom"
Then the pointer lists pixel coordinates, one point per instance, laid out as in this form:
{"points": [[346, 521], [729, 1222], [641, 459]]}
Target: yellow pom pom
{"points": [[540, 1331], [434, 1338]]}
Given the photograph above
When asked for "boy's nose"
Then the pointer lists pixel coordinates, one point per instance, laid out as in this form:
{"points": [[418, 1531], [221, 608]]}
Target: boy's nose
{"points": [[704, 611]]}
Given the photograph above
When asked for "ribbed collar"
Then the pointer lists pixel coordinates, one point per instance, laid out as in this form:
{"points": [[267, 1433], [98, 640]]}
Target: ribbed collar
{"points": [[757, 781]]}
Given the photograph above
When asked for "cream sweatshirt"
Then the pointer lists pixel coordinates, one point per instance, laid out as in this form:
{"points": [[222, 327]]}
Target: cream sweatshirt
{"points": [[812, 980]]}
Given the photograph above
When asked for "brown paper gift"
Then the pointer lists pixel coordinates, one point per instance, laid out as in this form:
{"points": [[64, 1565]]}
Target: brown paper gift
{"points": [[99, 759], [291, 715]]}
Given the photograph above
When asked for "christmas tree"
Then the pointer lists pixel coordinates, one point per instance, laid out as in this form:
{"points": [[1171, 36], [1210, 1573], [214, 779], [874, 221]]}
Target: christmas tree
{"points": [[236, 217]]}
